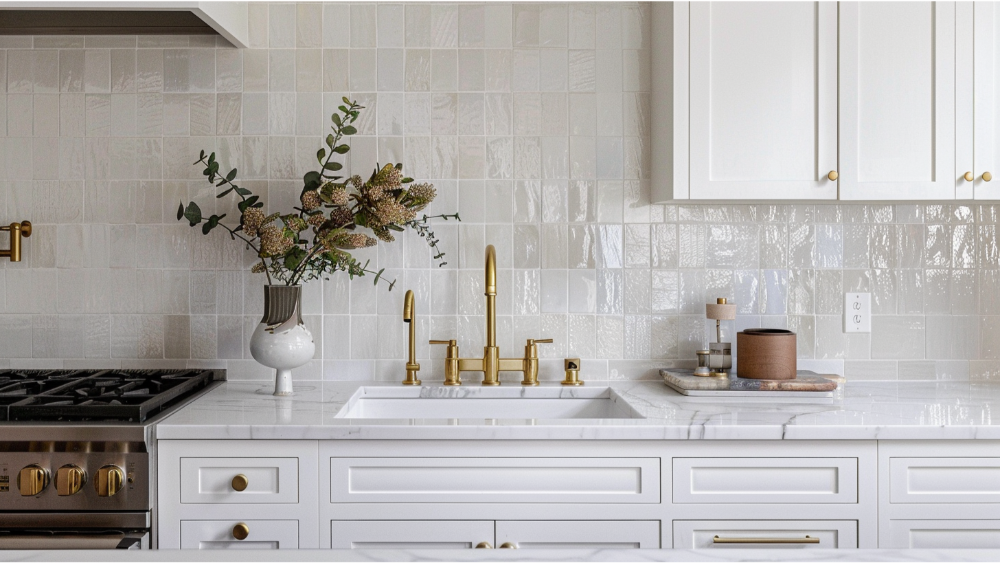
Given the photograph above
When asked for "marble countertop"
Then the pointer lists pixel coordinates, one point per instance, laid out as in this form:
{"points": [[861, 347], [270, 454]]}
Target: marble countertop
{"points": [[514, 555], [866, 410]]}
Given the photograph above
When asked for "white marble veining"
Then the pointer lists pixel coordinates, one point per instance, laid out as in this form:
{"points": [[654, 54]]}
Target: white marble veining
{"points": [[867, 410], [874, 555]]}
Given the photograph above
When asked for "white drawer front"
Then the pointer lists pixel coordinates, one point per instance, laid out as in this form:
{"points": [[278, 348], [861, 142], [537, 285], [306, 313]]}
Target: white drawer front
{"points": [[765, 534], [944, 534], [579, 534], [207, 480], [410, 534], [218, 534], [765, 480], [944, 480], [501, 480]]}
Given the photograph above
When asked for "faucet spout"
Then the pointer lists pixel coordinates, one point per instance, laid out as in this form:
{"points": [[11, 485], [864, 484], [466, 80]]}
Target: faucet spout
{"points": [[410, 318], [491, 296]]}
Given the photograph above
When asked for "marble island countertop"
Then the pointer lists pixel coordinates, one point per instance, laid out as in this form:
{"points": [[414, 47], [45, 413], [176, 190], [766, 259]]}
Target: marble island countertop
{"points": [[515, 555], [867, 410]]}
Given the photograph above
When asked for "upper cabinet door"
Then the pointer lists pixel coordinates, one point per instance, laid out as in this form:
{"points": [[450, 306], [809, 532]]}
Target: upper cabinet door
{"points": [[987, 103], [763, 99], [897, 100]]}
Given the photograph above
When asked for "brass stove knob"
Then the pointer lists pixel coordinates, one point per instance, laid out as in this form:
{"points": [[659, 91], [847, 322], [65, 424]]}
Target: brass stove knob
{"points": [[32, 480], [69, 480], [109, 480]]}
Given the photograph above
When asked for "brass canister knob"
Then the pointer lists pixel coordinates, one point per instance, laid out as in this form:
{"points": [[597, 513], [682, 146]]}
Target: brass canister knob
{"points": [[833, 175], [109, 481], [987, 176], [69, 480], [32, 480], [241, 531], [969, 176], [240, 482]]}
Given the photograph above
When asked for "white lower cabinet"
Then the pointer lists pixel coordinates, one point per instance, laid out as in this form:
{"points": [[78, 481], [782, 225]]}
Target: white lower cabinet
{"points": [[765, 534], [503, 534], [235, 534], [410, 534], [568, 534], [944, 534]]}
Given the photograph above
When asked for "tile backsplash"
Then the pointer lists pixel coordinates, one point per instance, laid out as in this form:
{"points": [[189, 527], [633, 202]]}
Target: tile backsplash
{"points": [[532, 121]]}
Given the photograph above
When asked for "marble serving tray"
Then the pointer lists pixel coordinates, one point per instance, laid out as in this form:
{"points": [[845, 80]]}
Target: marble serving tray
{"points": [[808, 387]]}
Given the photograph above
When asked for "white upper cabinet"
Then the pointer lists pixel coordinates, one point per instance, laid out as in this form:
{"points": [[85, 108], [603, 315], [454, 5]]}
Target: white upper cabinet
{"points": [[897, 100], [986, 16], [763, 100]]}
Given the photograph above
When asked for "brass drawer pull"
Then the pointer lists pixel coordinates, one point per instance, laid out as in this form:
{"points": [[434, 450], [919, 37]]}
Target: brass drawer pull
{"points": [[806, 539], [240, 482], [484, 545], [508, 545], [241, 531]]}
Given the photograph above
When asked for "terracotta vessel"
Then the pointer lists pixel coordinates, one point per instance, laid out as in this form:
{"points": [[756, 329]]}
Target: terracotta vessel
{"points": [[765, 353]]}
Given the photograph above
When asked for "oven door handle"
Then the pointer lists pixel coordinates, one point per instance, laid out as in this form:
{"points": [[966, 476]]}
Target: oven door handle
{"points": [[109, 540]]}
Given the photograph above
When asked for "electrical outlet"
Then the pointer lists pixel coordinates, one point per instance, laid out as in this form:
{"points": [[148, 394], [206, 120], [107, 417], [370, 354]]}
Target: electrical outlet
{"points": [[858, 312]]}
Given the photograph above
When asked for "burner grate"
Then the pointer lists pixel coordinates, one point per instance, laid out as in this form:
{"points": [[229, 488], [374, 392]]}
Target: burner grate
{"points": [[82, 395]]}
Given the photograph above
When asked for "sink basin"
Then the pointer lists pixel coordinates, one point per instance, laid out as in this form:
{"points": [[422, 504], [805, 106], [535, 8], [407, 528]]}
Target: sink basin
{"points": [[486, 402]]}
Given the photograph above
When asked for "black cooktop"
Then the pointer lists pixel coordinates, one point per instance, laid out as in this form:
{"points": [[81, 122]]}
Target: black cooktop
{"points": [[95, 395]]}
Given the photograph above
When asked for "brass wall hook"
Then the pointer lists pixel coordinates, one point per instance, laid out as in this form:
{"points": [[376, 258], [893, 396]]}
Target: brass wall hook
{"points": [[17, 230]]}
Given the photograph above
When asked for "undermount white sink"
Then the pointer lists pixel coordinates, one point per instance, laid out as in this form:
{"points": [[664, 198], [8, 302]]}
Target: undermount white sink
{"points": [[485, 403]]}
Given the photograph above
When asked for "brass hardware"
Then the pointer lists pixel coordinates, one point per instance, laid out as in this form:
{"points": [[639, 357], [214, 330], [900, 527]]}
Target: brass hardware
{"points": [[484, 545], [508, 545], [109, 481], [987, 176], [572, 367], [240, 483], [32, 480], [69, 480], [18, 230], [452, 376], [968, 177], [833, 175], [806, 539], [241, 531], [491, 364], [410, 318]]}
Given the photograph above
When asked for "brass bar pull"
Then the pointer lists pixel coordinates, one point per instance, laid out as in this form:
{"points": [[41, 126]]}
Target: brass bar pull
{"points": [[806, 539]]}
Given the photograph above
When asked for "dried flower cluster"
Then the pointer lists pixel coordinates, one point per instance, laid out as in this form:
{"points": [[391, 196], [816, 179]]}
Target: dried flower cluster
{"points": [[315, 240]]}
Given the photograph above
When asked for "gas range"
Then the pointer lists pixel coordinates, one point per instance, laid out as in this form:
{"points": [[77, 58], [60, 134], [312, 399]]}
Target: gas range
{"points": [[77, 451]]}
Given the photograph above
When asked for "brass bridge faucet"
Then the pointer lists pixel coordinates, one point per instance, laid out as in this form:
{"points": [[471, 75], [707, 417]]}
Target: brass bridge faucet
{"points": [[17, 230], [491, 364]]}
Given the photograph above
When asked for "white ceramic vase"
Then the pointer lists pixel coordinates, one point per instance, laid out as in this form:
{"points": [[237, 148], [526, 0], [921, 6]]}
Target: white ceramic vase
{"points": [[281, 341]]}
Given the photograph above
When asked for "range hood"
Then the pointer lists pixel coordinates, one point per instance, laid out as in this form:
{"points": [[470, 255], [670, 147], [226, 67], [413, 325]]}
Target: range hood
{"points": [[228, 19]]}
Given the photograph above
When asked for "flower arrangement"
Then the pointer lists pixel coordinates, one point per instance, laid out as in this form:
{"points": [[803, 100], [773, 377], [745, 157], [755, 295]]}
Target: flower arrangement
{"points": [[315, 239]]}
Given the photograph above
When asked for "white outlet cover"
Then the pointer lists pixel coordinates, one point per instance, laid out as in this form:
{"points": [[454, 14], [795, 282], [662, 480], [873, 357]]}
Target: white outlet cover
{"points": [[857, 312]]}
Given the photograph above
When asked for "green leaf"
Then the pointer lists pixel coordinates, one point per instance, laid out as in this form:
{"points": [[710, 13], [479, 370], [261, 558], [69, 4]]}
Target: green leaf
{"points": [[336, 120], [330, 140], [211, 159], [320, 155], [180, 210], [231, 176], [224, 193], [349, 130], [406, 180], [333, 166], [202, 155], [242, 191], [342, 149], [193, 213], [346, 101], [294, 257], [312, 180]]}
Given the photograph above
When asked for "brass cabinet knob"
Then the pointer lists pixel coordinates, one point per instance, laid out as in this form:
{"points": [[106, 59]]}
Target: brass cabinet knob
{"points": [[508, 545], [968, 177], [241, 531], [32, 480], [240, 482], [987, 176], [109, 481], [833, 175], [69, 480], [484, 545]]}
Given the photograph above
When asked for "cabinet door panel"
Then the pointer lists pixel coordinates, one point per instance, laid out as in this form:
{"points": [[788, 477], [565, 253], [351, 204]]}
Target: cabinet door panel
{"points": [[944, 534], [409, 534], [218, 534], [764, 534], [763, 100], [897, 100], [541, 534], [955, 480], [765, 480], [986, 92], [269, 480]]}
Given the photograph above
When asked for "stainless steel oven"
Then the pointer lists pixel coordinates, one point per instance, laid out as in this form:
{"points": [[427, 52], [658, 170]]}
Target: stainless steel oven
{"points": [[77, 454]]}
